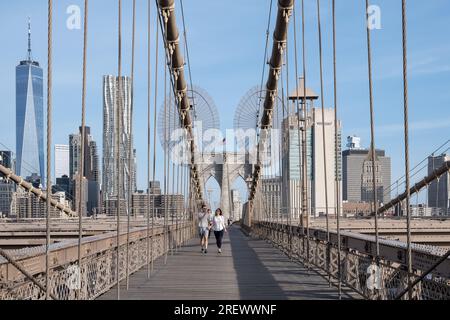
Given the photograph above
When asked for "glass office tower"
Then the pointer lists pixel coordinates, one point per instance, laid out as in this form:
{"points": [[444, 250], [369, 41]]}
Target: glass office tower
{"points": [[30, 117]]}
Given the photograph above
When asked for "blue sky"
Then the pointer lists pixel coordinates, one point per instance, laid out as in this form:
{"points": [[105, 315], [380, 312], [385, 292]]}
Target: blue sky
{"points": [[227, 40]]}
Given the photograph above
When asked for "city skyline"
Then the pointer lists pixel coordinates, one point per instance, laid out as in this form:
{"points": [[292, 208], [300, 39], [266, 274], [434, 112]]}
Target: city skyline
{"points": [[145, 185], [427, 52]]}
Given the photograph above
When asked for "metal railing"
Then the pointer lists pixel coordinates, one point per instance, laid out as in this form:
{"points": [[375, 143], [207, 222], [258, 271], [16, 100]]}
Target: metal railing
{"points": [[98, 271], [384, 279]]}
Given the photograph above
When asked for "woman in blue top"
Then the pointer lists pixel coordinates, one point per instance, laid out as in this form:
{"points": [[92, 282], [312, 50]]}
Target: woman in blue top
{"points": [[219, 228]]}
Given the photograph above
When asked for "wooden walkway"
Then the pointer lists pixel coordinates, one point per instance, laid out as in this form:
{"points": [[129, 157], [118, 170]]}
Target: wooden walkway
{"points": [[247, 269]]}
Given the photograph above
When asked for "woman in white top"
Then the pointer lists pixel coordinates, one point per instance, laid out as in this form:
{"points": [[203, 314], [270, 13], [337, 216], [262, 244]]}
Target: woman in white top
{"points": [[219, 227]]}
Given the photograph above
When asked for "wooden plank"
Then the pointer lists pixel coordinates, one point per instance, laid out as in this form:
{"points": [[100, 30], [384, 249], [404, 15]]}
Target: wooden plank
{"points": [[247, 269]]}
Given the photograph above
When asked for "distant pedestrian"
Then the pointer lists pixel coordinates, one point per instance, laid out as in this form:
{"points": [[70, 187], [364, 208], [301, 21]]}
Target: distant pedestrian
{"points": [[219, 227]]}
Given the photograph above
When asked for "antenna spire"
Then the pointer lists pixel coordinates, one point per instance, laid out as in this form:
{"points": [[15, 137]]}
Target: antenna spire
{"points": [[29, 39]]}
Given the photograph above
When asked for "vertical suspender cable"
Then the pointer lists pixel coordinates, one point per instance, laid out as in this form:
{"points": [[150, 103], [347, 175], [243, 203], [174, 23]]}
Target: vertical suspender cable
{"points": [[406, 120], [173, 196], [173, 202], [186, 47], [264, 66], [322, 96], [337, 155], [166, 144], [155, 111], [168, 114], [301, 144], [305, 136], [264, 62], [290, 202], [118, 153], [286, 194], [130, 148], [187, 55], [188, 60], [83, 145], [300, 160], [148, 134], [372, 132], [49, 142]]}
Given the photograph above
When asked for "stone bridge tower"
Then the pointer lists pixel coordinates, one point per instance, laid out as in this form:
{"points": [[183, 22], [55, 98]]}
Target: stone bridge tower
{"points": [[226, 168]]}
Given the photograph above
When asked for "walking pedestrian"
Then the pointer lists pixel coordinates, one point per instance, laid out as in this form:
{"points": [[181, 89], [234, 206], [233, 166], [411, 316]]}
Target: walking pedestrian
{"points": [[204, 220], [219, 227]]}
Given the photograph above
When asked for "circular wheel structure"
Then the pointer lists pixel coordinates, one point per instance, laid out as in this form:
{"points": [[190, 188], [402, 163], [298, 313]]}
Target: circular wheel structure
{"points": [[203, 113], [250, 110]]}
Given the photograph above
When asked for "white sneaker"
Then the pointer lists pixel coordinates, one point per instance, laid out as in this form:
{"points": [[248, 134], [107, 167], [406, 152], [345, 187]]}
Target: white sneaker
{"points": [[220, 250]]}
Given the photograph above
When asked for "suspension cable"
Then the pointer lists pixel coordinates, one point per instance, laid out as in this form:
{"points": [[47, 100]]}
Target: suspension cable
{"points": [[290, 193], [83, 145], [300, 160], [148, 133], [305, 136], [173, 196], [166, 161], [372, 132], [118, 156], [337, 153], [154, 138], [49, 142], [269, 19], [324, 145], [283, 192], [130, 148], [406, 136], [188, 58]]}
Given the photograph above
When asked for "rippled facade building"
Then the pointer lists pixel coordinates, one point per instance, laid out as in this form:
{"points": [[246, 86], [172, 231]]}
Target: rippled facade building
{"points": [[110, 122]]}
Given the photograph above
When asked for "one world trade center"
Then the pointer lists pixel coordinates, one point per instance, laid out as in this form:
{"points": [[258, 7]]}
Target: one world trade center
{"points": [[30, 117]]}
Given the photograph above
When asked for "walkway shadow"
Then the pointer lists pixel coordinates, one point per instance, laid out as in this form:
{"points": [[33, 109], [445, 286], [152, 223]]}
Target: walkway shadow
{"points": [[255, 281]]}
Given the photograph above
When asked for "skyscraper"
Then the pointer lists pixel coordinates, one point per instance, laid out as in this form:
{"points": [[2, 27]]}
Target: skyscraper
{"points": [[7, 187], [292, 180], [439, 190], [358, 176], [6, 159], [62, 156], [91, 160], [110, 121], [91, 174], [30, 116], [271, 195]]}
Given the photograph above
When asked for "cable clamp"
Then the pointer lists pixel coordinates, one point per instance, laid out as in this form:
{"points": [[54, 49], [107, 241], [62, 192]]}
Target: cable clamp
{"points": [[281, 44], [176, 71], [276, 73], [287, 12], [167, 12]]}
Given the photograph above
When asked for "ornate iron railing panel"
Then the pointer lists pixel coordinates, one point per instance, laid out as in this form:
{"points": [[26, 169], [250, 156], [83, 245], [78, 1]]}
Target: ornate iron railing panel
{"points": [[98, 270], [377, 280]]}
